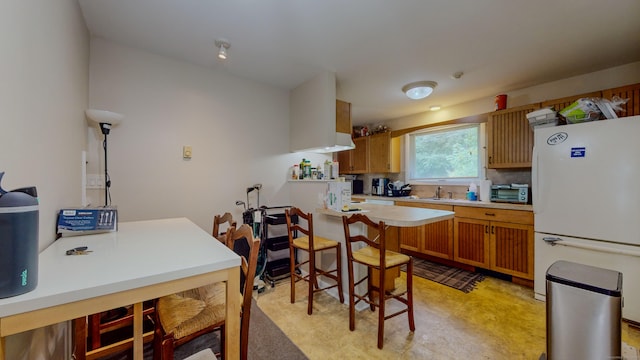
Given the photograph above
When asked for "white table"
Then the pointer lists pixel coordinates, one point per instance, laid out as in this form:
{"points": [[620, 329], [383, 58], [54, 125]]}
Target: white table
{"points": [[143, 260]]}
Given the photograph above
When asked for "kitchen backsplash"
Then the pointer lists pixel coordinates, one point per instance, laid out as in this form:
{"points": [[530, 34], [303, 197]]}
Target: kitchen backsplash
{"points": [[509, 176]]}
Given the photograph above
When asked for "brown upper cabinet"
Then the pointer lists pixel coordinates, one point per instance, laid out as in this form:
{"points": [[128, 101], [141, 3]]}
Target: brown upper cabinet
{"points": [[343, 117], [510, 138], [379, 153], [559, 104], [630, 92], [355, 161], [384, 153]]}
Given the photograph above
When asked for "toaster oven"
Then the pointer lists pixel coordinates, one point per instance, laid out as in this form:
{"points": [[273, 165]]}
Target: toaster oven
{"points": [[511, 193]]}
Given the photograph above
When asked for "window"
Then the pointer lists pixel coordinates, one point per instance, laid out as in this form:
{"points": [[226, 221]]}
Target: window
{"points": [[450, 154]]}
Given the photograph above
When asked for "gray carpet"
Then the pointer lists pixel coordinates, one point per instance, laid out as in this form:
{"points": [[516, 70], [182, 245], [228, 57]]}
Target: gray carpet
{"points": [[266, 342]]}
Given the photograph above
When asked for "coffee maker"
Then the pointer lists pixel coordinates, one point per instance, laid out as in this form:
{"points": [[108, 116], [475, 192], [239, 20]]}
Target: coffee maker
{"points": [[379, 186]]}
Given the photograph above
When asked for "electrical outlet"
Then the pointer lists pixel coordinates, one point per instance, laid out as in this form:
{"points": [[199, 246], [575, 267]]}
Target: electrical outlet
{"points": [[95, 181]]}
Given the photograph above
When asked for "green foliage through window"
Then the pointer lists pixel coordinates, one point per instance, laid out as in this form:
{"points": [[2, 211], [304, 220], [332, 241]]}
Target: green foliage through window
{"points": [[445, 154]]}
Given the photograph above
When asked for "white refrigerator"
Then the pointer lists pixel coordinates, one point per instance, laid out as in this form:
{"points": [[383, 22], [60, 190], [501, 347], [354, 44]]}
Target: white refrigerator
{"points": [[586, 201]]}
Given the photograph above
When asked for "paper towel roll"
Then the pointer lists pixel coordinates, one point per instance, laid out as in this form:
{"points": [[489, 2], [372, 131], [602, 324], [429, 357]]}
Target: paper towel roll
{"points": [[485, 190]]}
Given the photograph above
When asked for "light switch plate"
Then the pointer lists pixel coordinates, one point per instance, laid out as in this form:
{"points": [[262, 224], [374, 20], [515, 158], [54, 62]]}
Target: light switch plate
{"points": [[186, 152]]}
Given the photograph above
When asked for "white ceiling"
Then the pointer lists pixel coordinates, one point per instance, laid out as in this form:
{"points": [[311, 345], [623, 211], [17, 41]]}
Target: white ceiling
{"points": [[377, 46]]}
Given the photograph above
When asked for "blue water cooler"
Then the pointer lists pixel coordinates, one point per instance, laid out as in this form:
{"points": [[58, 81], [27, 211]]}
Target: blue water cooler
{"points": [[18, 241]]}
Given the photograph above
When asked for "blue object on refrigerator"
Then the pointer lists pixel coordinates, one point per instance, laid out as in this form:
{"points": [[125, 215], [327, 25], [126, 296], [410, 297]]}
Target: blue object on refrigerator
{"points": [[18, 241]]}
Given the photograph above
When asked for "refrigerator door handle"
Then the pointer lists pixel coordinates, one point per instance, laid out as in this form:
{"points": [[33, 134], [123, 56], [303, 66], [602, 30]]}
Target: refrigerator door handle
{"points": [[551, 240], [534, 178]]}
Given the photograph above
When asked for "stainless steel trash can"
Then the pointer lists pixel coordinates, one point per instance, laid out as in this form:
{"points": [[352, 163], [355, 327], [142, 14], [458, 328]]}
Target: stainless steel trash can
{"points": [[584, 312]]}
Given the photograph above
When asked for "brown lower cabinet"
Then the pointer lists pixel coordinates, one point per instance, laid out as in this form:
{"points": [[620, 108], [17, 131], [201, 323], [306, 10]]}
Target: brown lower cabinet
{"points": [[434, 239], [496, 239]]}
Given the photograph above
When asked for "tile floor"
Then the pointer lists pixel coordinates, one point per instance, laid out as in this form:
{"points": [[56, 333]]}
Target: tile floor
{"points": [[497, 320]]}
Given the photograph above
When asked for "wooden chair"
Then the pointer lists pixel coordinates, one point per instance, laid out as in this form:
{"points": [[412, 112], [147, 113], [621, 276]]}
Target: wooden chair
{"points": [[306, 241], [219, 220], [375, 257], [89, 331], [184, 316]]}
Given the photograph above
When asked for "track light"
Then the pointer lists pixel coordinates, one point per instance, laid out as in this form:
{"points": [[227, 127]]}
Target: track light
{"points": [[223, 45]]}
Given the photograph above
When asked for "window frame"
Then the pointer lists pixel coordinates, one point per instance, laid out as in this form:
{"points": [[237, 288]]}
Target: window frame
{"points": [[482, 148]]}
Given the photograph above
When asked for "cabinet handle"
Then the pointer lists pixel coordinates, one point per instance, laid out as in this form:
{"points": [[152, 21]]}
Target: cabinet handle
{"points": [[490, 160], [493, 229], [486, 229], [489, 214]]}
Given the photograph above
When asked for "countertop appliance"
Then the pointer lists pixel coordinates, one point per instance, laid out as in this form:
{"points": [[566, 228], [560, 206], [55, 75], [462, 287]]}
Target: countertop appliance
{"points": [[357, 186], [19, 219], [586, 203], [511, 193], [379, 186]]}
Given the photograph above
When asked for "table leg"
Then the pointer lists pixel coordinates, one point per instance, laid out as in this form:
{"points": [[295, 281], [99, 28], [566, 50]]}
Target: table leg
{"points": [[138, 343], [80, 336], [232, 320]]}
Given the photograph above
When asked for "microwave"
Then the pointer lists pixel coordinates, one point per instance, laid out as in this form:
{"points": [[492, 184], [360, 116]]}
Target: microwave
{"points": [[511, 193]]}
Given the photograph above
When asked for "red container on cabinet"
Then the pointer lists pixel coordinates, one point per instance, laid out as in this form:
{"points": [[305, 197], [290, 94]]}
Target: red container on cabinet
{"points": [[501, 102]]}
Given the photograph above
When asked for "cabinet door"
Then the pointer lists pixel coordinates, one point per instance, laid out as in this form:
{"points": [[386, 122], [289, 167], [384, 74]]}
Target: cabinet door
{"points": [[411, 238], [510, 138], [343, 117], [360, 156], [438, 239], [380, 153], [512, 249], [344, 161], [471, 242], [632, 93], [434, 239]]}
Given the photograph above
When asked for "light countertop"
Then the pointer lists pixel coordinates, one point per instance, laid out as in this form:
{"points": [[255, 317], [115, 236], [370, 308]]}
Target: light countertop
{"points": [[395, 215], [453, 202]]}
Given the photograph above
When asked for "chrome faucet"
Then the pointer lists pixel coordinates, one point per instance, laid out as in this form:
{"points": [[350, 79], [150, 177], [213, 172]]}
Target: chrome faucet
{"points": [[438, 192]]}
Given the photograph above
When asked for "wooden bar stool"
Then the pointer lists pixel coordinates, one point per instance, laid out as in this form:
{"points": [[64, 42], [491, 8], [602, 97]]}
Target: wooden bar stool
{"points": [[306, 241], [375, 257], [218, 222]]}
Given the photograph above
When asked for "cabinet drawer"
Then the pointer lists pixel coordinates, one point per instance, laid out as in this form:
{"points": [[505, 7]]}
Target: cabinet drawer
{"points": [[425, 205], [510, 216]]}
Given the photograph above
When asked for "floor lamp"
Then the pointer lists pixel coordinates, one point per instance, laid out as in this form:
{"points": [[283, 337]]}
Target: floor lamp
{"points": [[104, 120]]}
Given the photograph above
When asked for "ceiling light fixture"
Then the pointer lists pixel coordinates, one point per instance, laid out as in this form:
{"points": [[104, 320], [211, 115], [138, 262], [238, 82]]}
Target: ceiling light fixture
{"points": [[223, 45], [419, 90]]}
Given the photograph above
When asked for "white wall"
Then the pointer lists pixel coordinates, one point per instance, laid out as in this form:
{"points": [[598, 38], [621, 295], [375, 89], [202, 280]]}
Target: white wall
{"points": [[238, 129], [43, 95]]}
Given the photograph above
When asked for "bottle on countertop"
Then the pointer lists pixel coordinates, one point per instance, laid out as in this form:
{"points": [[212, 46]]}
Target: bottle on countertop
{"points": [[327, 169], [301, 170], [307, 169], [473, 192]]}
